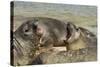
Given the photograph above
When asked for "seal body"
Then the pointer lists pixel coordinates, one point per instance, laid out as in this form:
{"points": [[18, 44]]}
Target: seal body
{"points": [[47, 33], [52, 31], [78, 37], [37, 30]]}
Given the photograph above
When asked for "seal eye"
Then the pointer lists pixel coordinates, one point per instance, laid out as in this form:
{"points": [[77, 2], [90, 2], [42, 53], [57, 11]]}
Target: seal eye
{"points": [[26, 30]]}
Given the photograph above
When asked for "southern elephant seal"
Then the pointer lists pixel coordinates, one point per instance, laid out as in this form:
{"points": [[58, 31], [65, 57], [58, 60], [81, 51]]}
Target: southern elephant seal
{"points": [[80, 43], [43, 32], [38, 30], [78, 37], [23, 44]]}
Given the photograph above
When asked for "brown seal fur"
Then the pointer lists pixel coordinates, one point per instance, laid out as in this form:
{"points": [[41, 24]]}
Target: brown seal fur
{"points": [[77, 37]]}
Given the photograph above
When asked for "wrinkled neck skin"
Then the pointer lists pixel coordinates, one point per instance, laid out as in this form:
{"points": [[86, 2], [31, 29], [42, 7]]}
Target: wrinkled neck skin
{"points": [[23, 49], [76, 41], [84, 40]]}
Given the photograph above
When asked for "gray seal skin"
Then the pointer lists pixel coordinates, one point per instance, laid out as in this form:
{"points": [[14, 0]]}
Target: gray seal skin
{"points": [[46, 31], [80, 43], [78, 37], [24, 44], [52, 31]]}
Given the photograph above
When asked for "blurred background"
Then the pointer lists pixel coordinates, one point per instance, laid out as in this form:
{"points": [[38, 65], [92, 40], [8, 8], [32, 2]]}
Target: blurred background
{"points": [[81, 15]]}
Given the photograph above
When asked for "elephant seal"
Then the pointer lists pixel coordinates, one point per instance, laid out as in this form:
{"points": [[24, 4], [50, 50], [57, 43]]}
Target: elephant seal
{"points": [[37, 30], [23, 44], [81, 46], [78, 37], [41, 32]]}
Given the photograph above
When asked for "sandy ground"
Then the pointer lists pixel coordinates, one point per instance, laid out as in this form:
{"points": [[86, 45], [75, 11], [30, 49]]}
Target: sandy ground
{"points": [[84, 16]]}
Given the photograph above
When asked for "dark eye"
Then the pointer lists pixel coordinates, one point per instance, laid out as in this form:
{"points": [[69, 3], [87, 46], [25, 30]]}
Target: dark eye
{"points": [[26, 30]]}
